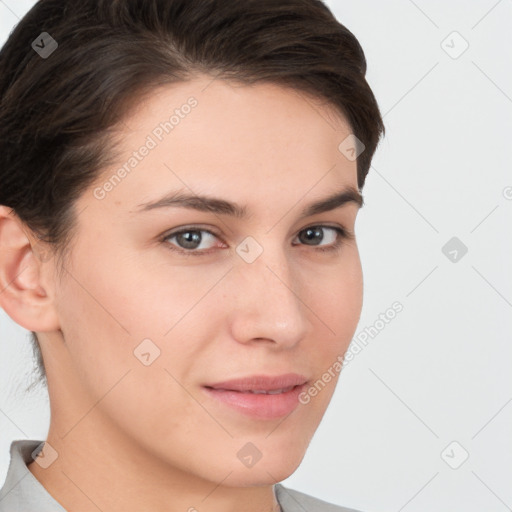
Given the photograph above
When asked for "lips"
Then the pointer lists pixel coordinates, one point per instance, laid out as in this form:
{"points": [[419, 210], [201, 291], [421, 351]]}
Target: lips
{"points": [[259, 396], [261, 383]]}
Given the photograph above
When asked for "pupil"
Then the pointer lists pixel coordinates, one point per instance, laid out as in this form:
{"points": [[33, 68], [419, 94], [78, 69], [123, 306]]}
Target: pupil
{"points": [[190, 238], [312, 232]]}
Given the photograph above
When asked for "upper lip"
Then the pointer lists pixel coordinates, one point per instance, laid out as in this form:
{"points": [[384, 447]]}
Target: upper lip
{"points": [[260, 382]]}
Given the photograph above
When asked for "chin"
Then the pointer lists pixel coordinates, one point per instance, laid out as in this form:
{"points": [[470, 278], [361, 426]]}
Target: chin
{"points": [[266, 471], [262, 477]]}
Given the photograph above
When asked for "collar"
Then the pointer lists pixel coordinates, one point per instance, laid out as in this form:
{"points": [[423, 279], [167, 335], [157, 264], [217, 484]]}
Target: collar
{"points": [[21, 489]]}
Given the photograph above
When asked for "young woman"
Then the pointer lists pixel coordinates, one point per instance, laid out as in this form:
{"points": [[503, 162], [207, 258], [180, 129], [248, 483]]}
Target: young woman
{"points": [[179, 184]]}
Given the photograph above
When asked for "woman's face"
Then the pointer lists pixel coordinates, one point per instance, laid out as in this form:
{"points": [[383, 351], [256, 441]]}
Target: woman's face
{"points": [[149, 318]]}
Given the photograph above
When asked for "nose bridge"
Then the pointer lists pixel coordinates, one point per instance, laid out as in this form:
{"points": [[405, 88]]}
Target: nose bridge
{"points": [[269, 301]]}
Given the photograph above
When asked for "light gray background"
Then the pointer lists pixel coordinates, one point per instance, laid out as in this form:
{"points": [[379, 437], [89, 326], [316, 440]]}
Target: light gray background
{"points": [[441, 370]]}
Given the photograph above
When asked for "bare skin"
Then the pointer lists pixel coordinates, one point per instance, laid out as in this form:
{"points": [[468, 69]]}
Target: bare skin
{"points": [[131, 436]]}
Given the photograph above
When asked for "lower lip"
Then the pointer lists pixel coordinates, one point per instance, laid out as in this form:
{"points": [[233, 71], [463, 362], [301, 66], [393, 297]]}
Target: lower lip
{"points": [[259, 405]]}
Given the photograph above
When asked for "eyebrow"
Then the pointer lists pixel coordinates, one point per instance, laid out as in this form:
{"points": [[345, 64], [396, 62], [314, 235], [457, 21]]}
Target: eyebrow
{"points": [[204, 203]]}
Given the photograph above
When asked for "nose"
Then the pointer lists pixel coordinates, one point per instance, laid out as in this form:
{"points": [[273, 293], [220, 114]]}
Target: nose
{"points": [[269, 302]]}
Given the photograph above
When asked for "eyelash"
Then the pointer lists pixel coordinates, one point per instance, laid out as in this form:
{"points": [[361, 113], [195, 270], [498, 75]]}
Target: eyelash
{"points": [[343, 235]]}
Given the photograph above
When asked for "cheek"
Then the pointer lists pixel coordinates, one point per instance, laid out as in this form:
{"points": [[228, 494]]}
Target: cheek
{"points": [[103, 327], [118, 313], [337, 299]]}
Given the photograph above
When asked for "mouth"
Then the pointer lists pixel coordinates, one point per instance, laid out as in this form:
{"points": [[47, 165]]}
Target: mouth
{"points": [[258, 391], [262, 397]]}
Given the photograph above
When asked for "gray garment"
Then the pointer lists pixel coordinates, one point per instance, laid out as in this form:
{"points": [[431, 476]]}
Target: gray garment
{"points": [[22, 492]]}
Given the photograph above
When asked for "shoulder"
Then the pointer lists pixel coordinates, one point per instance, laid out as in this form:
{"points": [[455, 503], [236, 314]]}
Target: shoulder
{"points": [[291, 500]]}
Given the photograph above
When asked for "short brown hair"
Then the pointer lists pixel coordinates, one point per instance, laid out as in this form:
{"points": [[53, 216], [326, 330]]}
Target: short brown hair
{"points": [[56, 113]]}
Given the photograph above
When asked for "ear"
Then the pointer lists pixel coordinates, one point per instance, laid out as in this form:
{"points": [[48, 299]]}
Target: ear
{"points": [[23, 296]]}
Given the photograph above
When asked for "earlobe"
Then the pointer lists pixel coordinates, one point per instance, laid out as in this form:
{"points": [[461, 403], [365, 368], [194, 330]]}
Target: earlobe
{"points": [[23, 296]]}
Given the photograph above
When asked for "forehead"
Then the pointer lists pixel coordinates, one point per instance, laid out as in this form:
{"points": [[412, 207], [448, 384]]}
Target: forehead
{"points": [[229, 97], [228, 139], [237, 117]]}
